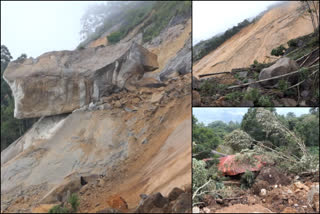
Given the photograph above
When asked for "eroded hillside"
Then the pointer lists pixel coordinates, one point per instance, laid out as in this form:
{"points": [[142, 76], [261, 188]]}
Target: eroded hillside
{"points": [[256, 41], [108, 129]]}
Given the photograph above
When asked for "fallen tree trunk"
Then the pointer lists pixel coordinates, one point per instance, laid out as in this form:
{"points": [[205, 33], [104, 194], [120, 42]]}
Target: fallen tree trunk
{"points": [[272, 78], [218, 153], [211, 74]]}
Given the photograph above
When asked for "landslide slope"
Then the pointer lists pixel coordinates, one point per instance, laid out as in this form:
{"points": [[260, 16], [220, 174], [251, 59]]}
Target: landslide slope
{"points": [[131, 142], [255, 42]]}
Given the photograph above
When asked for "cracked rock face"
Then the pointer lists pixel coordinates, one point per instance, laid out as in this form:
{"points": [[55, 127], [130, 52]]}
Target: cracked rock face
{"points": [[62, 81]]}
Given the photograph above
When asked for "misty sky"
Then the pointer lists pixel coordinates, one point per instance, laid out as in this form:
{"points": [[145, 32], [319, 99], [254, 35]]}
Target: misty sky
{"points": [[208, 115], [36, 27], [213, 17]]}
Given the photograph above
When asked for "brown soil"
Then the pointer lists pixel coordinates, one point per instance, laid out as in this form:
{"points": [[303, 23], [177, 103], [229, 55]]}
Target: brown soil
{"points": [[256, 41], [292, 198]]}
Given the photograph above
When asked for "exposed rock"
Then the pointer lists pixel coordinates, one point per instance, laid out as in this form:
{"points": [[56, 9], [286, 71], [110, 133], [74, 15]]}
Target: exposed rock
{"points": [[157, 97], [153, 201], [289, 210], [109, 210], [195, 210], [180, 64], [282, 66], [263, 192], [61, 192], [246, 103], [183, 204], [117, 202], [195, 83], [60, 82], [196, 99], [175, 193], [313, 197], [243, 74], [288, 102]]}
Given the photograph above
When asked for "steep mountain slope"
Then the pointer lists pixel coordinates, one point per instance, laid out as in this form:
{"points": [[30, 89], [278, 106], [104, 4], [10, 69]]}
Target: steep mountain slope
{"points": [[126, 140], [256, 41]]}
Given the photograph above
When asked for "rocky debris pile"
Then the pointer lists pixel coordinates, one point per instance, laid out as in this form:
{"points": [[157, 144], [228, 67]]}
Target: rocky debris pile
{"points": [[35, 150], [60, 82], [178, 201], [296, 197], [269, 84]]}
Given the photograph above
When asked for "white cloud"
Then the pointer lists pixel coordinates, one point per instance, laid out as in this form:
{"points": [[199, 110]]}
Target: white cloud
{"points": [[36, 27]]}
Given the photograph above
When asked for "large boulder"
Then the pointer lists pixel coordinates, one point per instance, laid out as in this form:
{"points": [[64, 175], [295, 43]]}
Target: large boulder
{"points": [[62, 81], [180, 64], [282, 66]]}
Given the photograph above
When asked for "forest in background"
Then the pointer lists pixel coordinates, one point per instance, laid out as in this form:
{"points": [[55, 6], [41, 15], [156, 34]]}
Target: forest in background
{"points": [[208, 137]]}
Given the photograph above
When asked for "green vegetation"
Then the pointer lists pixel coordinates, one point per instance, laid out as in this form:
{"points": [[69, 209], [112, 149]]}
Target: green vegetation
{"points": [[58, 209], [264, 133], [265, 101], [211, 87], [127, 15], [115, 37], [11, 128], [163, 13], [235, 96], [73, 201], [279, 51], [247, 179], [204, 47], [292, 43], [283, 85], [253, 94], [209, 137]]}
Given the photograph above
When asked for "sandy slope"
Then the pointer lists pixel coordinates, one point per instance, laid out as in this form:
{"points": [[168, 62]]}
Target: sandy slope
{"points": [[256, 41]]}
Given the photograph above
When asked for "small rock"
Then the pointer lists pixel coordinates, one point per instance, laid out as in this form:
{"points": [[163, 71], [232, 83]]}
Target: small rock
{"points": [[206, 210], [174, 194], [195, 210], [243, 74], [299, 185], [196, 99], [288, 102], [289, 210], [296, 205], [117, 104], [263, 192], [304, 93]]}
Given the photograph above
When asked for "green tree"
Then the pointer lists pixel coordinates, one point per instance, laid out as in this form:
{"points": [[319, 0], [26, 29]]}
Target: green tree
{"points": [[11, 128]]}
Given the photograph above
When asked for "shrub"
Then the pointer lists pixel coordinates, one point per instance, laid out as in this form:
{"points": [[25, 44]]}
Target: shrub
{"points": [[74, 201], [252, 95], [255, 62], [58, 209], [247, 179], [279, 51], [292, 43], [234, 96], [283, 85], [265, 101], [199, 173], [114, 37]]}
